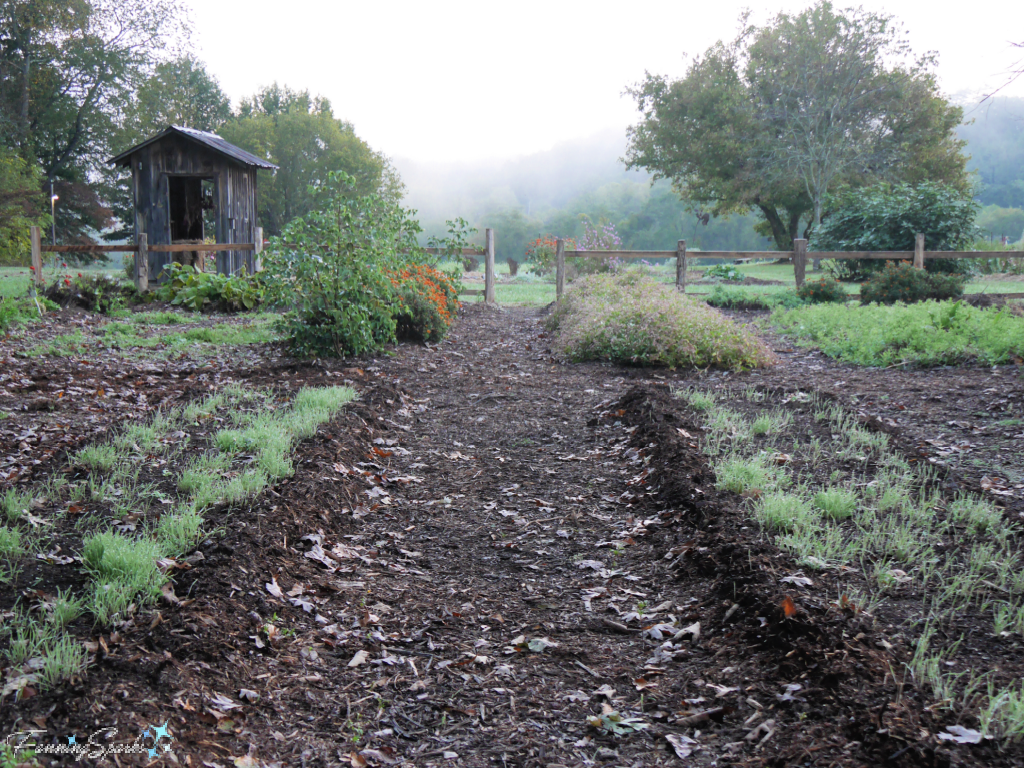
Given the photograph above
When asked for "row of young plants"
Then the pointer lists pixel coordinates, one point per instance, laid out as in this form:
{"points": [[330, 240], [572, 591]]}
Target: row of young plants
{"points": [[885, 530], [131, 527]]}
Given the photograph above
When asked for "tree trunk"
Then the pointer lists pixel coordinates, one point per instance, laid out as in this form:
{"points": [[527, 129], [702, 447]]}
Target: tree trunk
{"points": [[26, 90], [783, 238], [816, 263]]}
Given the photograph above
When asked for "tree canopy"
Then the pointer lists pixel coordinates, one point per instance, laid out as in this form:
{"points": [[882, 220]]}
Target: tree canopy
{"points": [[300, 134], [787, 113], [69, 68]]}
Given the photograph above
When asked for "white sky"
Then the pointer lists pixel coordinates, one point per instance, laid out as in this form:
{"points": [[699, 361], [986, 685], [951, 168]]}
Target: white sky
{"points": [[450, 81]]}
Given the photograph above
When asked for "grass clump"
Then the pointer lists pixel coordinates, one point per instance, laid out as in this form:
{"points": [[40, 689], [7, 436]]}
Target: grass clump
{"points": [[783, 512], [15, 505], [124, 569], [101, 458], [630, 318], [836, 503], [743, 475], [10, 543], [924, 334], [179, 532], [771, 423]]}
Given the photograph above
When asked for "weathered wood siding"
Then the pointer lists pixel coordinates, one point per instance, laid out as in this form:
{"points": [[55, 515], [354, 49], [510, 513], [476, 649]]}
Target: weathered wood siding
{"points": [[235, 197]]}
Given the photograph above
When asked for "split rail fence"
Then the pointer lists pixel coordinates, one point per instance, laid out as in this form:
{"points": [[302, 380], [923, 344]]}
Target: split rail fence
{"points": [[799, 255], [141, 249]]}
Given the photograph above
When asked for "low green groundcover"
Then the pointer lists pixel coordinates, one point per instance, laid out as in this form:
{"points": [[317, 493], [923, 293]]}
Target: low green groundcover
{"points": [[925, 333]]}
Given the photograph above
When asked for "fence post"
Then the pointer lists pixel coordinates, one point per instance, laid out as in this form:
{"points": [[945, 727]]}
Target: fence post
{"points": [[490, 296], [142, 264], [37, 255], [258, 250], [681, 266], [799, 260], [559, 268], [919, 251]]}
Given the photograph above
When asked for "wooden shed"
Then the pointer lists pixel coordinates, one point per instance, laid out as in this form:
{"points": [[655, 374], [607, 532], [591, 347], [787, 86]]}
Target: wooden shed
{"points": [[187, 183]]}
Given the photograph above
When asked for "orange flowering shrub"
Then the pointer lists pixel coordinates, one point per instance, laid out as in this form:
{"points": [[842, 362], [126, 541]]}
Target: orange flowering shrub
{"points": [[429, 302]]}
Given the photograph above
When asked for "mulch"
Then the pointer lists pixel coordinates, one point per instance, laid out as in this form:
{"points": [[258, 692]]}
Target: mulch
{"points": [[482, 556]]}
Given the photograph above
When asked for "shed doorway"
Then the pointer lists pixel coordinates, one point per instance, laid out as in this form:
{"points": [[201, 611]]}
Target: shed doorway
{"points": [[192, 213]]}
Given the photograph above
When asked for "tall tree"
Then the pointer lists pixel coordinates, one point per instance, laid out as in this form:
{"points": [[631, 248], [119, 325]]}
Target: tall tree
{"points": [[180, 92], [301, 135], [787, 112], [69, 68], [21, 206]]}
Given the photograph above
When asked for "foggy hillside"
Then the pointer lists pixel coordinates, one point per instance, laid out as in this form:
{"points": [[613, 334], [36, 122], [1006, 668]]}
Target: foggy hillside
{"points": [[538, 184]]}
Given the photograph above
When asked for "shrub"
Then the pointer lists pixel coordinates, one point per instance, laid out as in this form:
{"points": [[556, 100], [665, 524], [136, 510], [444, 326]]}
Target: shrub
{"points": [[927, 333], [630, 318], [740, 298], [429, 301], [888, 217], [95, 293], [822, 291], [725, 272], [900, 281], [540, 253], [186, 286], [331, 267], [450, 248]]}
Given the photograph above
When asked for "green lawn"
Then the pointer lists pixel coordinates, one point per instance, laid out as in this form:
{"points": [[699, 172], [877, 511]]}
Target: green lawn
{"points": [[15, 281], [530, 290]]}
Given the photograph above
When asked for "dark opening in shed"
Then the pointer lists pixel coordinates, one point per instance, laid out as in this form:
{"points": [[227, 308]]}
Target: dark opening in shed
{"points": [[190, 186]]}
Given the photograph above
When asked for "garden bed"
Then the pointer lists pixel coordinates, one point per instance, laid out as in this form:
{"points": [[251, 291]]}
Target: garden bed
{"points": [[482, 495]]}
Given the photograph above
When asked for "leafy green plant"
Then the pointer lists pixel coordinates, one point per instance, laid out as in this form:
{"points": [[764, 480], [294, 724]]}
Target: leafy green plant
{"points": [[900, 281], [93, 292], [888, 217], [330, 268], [187, 287], [822, 291], [616, 723], [450, 247], [725, 272]]}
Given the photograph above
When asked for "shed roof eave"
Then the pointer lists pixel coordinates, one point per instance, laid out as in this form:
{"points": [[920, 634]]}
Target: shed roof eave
{"points": [[210, 141]]}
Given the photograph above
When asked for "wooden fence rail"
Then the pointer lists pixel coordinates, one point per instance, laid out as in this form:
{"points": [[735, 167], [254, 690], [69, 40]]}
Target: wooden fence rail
{"points": [[799, 255], [142, 249]]}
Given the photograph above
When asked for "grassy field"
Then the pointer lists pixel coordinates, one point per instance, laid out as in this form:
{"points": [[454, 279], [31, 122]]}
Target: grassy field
{"points": [[533, 291], [14, 281]]}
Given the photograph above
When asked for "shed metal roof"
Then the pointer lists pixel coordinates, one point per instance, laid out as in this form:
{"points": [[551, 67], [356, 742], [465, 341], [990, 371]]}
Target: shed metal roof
{"points": [[209, 140]]}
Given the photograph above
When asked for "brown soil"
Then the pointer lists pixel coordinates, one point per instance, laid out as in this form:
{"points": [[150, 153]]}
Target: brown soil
{"points": [[478, 491]]}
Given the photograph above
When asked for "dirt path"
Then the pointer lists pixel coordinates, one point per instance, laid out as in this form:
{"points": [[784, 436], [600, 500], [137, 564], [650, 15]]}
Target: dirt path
{"points": [[485, 551]]}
